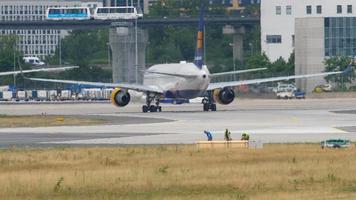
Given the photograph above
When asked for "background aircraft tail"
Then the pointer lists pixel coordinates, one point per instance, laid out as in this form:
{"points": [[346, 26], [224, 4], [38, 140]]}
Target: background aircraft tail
{"points": [[199, 52]]}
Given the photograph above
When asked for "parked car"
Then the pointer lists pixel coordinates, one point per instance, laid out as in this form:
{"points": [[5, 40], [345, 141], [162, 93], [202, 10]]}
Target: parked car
{"points": [[323, 88], [298, 94], [33, 61], [335, 143]]}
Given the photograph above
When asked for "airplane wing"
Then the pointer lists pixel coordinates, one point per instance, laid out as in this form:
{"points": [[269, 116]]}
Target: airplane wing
{"points": [[136, 87], [37, 70], [213, 86], [238, 72]]}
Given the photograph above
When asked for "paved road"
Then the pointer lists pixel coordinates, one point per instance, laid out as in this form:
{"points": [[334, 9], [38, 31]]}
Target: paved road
{"points": [[308, 120]]}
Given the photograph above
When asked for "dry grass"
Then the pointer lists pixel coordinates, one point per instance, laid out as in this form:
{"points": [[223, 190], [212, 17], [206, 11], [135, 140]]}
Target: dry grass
{"points": [[179, 172], [45, 121]]}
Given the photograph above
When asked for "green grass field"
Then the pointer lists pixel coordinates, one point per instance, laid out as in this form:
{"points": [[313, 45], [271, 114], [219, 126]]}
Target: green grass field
{"points": [[299, 171]]}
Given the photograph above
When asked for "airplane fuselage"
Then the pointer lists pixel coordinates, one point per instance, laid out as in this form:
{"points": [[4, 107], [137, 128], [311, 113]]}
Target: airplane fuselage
{"points": [[192, 85]]}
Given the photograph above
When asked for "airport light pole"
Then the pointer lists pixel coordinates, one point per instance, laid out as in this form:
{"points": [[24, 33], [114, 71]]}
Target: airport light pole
{"points": [[251, 48], [60, 50], [14, 49], [233, 59], [109, 57], [136, 52]]}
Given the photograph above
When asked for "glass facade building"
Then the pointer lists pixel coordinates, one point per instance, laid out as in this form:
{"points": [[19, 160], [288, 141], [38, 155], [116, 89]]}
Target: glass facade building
{"points": [[340, 36], [36, 42], [136, 3]]}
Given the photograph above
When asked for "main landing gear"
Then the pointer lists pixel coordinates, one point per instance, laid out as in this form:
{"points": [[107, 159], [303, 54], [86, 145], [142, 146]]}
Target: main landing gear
{"points": [[209, 103], [149, 107]]}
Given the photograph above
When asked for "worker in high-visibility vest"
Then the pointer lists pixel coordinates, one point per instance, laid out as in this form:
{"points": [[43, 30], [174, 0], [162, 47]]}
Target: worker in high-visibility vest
{"points": [[245, 136], [227, 135]]}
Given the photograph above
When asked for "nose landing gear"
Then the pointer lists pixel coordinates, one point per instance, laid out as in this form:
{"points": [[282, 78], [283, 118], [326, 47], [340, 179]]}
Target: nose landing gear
{"points": [[149, 107], [208, 102]]}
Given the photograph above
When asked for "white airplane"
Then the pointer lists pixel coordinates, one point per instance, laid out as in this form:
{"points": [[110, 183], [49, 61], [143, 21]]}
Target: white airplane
{"points": [[183, 80], [37, 70]]}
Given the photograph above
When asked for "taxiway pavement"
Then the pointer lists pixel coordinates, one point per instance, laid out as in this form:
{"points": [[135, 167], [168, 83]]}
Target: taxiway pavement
{"points": [[270, 121]]}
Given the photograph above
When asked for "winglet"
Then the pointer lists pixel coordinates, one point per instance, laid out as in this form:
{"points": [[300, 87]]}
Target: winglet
{"points": [[199, 52], [350, 67]]}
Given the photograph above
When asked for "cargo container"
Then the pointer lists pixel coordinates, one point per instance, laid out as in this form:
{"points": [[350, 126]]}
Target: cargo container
{"points": [[92, 94], [7, 95], [34, 95], [107, 93], [41, 95], [52, 95], [65, 95], [21, 96], [29, 94]]}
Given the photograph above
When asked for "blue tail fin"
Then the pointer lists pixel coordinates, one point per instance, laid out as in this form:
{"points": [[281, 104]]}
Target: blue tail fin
{"points": [[199, 52]]}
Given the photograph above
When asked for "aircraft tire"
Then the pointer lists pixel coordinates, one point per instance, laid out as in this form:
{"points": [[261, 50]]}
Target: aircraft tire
{"points": [[144, 109], [159, 108], [153, 108], [206, 107]]}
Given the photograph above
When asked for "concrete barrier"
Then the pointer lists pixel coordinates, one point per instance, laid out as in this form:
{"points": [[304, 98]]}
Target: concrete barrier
{"points": [[222, 144]]}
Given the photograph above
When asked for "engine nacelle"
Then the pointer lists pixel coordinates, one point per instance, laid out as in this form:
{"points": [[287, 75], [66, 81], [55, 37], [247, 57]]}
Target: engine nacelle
{"points": [[120, 97], [224, 96]]}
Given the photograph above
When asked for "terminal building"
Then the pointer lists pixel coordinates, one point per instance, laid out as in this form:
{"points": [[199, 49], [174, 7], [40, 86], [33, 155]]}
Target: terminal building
{"points": [[313, 29]]}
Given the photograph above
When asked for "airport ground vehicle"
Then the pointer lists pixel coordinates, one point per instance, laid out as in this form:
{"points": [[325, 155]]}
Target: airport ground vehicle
{"points": [[284, 86], [323, 88], [290, 94], [7, 95], [68, 13], [335, 143], [56, 95], [285, 94], [33, 61], [112, 13], [298, 94]]}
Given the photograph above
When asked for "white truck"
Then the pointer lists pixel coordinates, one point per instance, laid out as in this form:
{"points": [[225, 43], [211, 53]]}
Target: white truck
{"points": [[287, 93]]}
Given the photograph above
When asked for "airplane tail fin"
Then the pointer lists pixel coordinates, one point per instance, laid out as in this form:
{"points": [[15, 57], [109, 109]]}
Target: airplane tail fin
{"points": [[199, 52]]}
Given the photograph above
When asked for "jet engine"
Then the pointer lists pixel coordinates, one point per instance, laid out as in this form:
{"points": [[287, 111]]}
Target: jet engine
{"points": [[224, 96], [120, 97]]}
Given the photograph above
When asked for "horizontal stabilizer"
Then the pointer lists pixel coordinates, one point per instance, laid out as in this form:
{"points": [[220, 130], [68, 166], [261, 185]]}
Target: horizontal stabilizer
{"points": [[37, 70], [238, 72]]}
